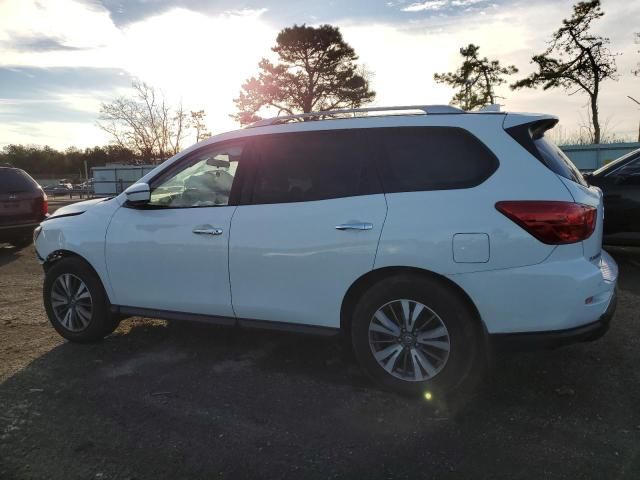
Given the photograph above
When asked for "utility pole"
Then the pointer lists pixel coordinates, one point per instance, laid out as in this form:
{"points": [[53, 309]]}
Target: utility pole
{"points": [[637, 102]]}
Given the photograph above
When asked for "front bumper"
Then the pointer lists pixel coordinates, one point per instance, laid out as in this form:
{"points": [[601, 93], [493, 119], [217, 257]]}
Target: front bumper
{"points": [[557, 338]]}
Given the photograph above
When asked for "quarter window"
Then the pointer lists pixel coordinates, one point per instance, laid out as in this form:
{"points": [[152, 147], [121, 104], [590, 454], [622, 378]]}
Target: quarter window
{"points": [[205, 180], [302, 167], [433, 158]]}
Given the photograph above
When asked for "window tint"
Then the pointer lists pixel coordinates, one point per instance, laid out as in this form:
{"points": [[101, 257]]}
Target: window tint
{"points": [[557, 161], [15, 181], [205, 180], [611, 166], [629, 174], [301, 167], [631, 168], [434, 158]]}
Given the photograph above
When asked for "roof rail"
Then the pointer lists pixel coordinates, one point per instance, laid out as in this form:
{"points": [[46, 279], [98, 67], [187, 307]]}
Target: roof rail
{"points": [[491, 108], [426, 109]]}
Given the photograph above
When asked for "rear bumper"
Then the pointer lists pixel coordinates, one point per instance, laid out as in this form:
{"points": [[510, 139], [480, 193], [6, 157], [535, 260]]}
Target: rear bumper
{"points": [[10, 232], [556, 338], [564, 293]]}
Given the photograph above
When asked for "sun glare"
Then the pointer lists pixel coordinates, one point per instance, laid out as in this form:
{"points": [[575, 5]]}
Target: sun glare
{"points": [[198, 59]]}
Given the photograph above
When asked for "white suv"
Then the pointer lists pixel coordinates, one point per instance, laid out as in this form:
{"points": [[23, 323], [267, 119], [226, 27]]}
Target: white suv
{"points": [[429, 236]]}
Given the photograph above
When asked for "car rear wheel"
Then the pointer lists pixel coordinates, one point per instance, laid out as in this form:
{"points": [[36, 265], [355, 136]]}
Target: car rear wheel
{"points": [[414, 334], [76, 303]]}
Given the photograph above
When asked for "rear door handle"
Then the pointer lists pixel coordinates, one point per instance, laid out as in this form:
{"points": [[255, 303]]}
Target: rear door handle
{"points": [[207, 230], [355, 226]]}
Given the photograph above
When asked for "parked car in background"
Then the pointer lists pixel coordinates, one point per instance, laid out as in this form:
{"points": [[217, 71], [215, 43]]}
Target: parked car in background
{"points": [[620, 184], [23, 205], [62, 188], [428, 238]]}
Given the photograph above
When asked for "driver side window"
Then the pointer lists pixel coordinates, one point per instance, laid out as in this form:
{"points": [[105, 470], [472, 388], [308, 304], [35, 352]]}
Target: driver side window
{"points": [[204, 181]]}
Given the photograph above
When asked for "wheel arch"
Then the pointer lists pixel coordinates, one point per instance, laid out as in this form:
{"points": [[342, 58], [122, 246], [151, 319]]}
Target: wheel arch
{"points": [[357, 289], [62, 253]]}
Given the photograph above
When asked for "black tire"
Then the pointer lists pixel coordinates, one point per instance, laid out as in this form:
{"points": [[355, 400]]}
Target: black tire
{"points": [[101, 321], [466, 362]]}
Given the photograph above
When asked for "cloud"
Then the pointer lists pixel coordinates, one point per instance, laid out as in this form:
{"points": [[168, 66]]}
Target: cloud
{"points": [[428, 5], [51, 110], [438, 5], [36, 82], [38, 44]]}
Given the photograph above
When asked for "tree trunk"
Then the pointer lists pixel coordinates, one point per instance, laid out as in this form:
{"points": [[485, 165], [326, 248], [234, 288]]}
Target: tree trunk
{"points": [[595, 120]]}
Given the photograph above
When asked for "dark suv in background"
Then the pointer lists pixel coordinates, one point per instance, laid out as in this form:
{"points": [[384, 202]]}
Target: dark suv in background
{"points": [[23, 205], [620, 184]]}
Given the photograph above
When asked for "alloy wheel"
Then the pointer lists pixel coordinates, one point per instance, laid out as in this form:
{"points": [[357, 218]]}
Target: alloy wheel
{"points": [[409, 340], [71, 302]]}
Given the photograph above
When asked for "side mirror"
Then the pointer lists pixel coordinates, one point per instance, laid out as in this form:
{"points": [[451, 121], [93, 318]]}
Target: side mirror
{"points": [[138, 193]]}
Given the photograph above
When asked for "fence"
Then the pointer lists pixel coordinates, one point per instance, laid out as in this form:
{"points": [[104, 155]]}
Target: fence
{"points": [[114, 179], [592, 157]]}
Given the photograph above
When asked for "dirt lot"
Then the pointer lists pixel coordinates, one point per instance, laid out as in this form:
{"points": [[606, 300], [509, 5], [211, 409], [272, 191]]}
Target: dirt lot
{"points": [[158, 400]]}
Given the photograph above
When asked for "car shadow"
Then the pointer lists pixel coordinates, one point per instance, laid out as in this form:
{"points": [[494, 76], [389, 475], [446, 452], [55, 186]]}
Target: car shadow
{"points": [[179, 399], [8, 253]]}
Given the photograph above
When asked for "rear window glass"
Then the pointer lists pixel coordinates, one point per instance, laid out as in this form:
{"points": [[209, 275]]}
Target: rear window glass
{"points": [[15, 181], [557, 161], [434, 158]]}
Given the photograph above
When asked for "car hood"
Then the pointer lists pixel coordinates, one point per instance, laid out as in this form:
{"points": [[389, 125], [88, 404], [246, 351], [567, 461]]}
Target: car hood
{"points": [[76, 208]]}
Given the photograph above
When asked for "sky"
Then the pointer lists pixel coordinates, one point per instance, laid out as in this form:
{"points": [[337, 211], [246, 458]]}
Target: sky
{"points": [[60, 59]]}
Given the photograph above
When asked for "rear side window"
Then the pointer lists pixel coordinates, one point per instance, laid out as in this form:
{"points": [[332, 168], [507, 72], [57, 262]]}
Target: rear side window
{"points": [[433, 158], [302, 167], [531, 137], [16, 181], [557, 161]]}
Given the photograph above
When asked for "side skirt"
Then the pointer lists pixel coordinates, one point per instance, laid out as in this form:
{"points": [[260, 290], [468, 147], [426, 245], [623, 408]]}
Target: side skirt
{"points": [[244, 323]]}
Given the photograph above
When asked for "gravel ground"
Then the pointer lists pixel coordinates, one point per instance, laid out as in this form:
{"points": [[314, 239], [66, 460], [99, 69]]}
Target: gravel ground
{"points": [[177, 400]]}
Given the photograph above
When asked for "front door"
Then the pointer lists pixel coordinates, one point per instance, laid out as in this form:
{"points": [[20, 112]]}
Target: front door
{"points": [[172, 254]]}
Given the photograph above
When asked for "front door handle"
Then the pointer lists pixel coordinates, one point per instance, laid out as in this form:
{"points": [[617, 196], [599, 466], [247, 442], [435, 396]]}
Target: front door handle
{"points": [[355, 226], [207, 230]]}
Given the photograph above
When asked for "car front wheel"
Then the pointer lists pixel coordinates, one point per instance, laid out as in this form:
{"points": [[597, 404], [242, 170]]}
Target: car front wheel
{"points": [[76, 303]]}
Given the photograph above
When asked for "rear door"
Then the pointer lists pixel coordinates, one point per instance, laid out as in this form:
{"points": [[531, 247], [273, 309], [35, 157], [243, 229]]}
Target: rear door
{"points": [[308, 228]]}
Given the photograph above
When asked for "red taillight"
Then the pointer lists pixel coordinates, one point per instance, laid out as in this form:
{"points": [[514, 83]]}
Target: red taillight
{"points": [[554, 223], [44, 206]]}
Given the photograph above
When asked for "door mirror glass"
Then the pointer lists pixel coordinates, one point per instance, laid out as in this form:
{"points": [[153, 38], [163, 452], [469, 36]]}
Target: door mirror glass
{"points": [[138, 194]]}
